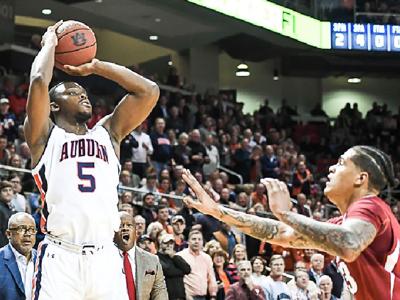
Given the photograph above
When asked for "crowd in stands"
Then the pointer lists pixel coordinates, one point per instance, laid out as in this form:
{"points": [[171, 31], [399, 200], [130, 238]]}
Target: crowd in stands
{"points": [[199, 254], [378, 12], [360, 11]]}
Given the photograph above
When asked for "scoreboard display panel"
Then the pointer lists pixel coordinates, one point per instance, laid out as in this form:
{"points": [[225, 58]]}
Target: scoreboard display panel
{"points": [[367, 37]]}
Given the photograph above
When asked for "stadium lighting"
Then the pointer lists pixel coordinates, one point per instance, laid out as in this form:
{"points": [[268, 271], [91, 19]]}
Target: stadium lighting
{"points": [[242, 70], [354, 80], [46, 11], [153, 37]]}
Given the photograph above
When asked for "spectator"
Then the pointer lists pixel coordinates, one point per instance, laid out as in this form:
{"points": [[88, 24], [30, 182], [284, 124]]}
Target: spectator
{"points": [[201, 281], [269, 163], [8, 125], [141, 153], [162, 153], [242, 162], [6, 209], [300, 291], [211, 247], [175, 121], [259, 196], [18, 101], [128, 208], [277, 288], [140, 225], [174, 268], [4, 153], [245, 289], [317, 266], [302, 180], [18, 201], [17, 258], [160, 111], [301, 201], [312, 288], [258, 264], [151, 184], [325, 285], [155, 230], [238, 254], [220, 258], [125, 179], [198, 154], [178, 225], [213, 154], [182, 152], [146, 243], [148, 210], [163, 218]]}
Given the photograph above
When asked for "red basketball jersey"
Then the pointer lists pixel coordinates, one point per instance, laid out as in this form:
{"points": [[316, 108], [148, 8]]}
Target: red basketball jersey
{"points": [[375, 274]]}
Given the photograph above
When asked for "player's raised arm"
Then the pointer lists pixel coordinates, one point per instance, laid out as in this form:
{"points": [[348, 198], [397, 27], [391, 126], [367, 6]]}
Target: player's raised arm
{"points": [[37, 123], [347, 240], [134, 107]]}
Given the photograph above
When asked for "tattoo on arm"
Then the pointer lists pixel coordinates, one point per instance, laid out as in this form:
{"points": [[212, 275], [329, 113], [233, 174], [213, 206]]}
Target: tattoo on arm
{"points": [[260, 228], [347, 240]]}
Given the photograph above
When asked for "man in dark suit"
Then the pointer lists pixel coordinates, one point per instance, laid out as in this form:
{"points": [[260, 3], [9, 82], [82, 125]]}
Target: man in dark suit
{"points": [[142, 274], [17, 258]]}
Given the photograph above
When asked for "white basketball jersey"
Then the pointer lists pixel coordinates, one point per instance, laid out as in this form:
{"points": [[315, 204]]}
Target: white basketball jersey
{"points": [[77, 177]]}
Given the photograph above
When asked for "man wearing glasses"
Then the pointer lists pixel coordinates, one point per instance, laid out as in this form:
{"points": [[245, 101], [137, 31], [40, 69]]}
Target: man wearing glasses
{"points": [[17, 258]]}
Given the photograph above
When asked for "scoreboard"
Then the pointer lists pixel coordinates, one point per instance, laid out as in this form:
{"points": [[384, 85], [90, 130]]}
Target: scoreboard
{"points": [[367, 37]]}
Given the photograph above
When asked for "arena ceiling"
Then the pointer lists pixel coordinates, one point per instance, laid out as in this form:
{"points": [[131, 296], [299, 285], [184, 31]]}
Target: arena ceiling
{"points": [[180, 25]]}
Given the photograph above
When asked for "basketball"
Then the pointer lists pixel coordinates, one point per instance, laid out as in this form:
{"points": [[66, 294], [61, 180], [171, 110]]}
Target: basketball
{"points": [[76, 44]]}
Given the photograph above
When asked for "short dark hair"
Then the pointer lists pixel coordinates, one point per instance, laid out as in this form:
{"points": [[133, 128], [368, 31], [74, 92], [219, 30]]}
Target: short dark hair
{"points": [[254, 258], [275, 257], [52, 91], [377, 164], [193, 232], [148, 194], [160, 207]]}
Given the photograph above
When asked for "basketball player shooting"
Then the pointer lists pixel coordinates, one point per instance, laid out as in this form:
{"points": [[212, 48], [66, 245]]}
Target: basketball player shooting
{"points": [[76, 171], [365, 239]]}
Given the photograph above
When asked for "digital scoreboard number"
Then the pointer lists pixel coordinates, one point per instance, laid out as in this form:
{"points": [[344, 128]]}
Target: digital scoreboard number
{"points": [[367, 37]]}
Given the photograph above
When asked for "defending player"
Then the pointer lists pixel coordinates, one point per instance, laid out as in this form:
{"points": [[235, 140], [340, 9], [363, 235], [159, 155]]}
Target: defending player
{"points": [[76, 170], [366, 238]]}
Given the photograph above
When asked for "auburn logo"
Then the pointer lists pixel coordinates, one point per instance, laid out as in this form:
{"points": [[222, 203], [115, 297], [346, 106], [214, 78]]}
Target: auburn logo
{"points": [[79, 39]]}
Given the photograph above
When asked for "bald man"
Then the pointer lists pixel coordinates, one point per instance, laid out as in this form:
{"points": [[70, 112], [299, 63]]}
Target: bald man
{"points": [[17, 258], [142, 276]]}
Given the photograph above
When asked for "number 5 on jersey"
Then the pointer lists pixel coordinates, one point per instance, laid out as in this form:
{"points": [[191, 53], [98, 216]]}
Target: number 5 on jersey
{"points": [[89, 184]]}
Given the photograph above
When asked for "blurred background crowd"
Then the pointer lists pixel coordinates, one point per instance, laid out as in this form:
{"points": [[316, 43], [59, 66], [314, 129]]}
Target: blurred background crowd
{"points": [[228, 151]]}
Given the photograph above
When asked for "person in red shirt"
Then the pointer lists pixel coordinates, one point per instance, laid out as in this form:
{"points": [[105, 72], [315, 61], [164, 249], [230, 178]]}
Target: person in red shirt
{"points": [[365, 238]]}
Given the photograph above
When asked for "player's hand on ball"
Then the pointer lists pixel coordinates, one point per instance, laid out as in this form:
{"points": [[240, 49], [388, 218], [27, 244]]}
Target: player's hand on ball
{"points": [[204, 203], [82, 70], [278, 196], [50, 36]]}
